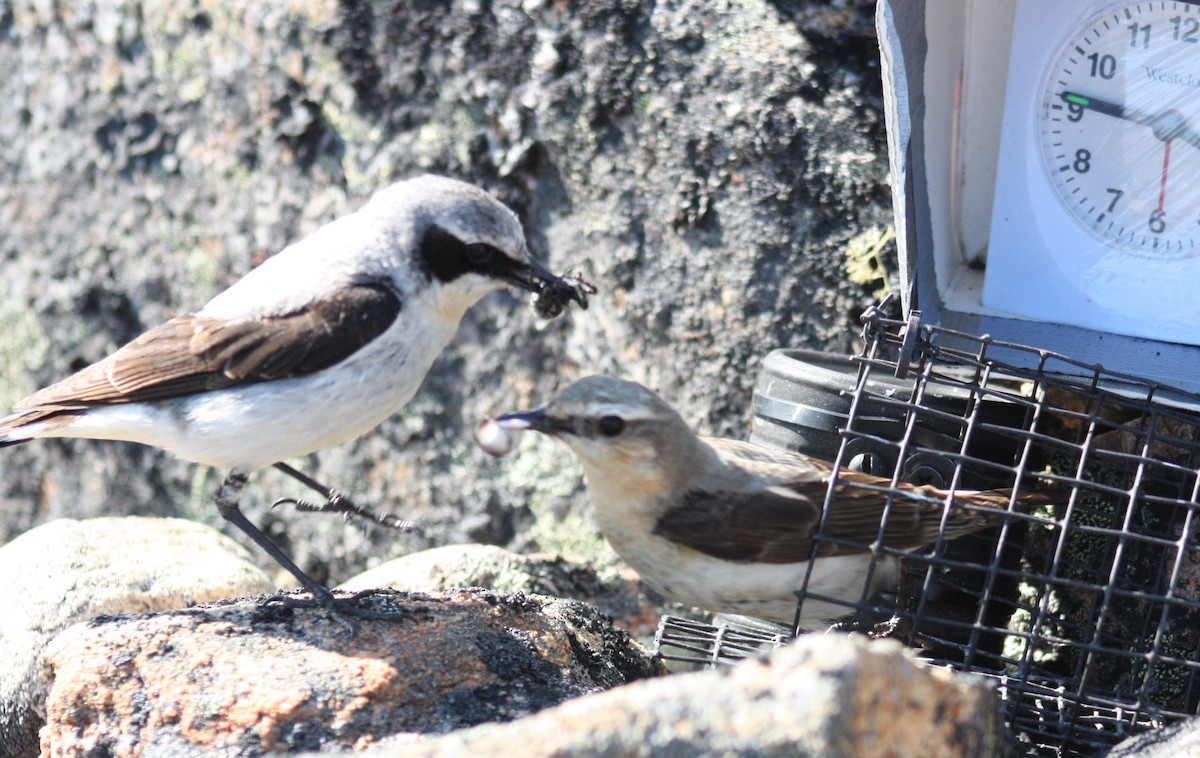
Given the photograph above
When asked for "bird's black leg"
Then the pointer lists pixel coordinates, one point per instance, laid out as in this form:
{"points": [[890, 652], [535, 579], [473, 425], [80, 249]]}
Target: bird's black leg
{"points": [[335, 502], [228, 497]]}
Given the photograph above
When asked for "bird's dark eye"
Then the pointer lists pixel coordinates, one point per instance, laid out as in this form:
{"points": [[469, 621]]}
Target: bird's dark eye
{"points": [[480, 253], [611, 426]]}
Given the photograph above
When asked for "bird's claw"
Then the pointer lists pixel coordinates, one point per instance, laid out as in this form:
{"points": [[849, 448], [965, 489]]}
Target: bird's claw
{"points": [[336, 503], [340, 609]]}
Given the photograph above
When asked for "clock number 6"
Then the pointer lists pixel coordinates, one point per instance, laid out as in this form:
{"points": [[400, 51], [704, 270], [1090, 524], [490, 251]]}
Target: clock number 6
{"points": [[1158, 223]]}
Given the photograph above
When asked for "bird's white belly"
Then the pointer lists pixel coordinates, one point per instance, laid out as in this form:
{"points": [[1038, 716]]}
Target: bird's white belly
{"points": [[255, 425]]}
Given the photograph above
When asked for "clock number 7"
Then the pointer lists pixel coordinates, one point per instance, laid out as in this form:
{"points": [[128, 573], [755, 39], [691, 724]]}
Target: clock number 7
{"points": [[1116, 193]]}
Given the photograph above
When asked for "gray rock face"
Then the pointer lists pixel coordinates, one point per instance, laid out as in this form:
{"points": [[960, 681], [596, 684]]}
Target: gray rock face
{"points": [[66, 571], [831, 696], [495, 568], [1180, 739], [705, 164], [247, 679]]}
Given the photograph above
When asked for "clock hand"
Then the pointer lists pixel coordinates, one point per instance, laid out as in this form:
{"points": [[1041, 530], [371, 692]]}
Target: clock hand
{"points": [[1162, 184], [1107, 108], [1167, 125]]}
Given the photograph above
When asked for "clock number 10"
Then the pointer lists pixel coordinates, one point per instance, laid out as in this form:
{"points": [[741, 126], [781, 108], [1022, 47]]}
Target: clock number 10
{"points": [[1104, 66]]}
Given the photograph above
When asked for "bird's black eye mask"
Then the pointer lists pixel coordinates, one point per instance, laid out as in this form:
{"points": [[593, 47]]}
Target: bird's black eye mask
{"points": [[445, 257]]}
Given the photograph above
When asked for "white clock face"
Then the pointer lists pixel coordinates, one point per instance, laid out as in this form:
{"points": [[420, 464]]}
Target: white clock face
{"points": [[1119, 127]]}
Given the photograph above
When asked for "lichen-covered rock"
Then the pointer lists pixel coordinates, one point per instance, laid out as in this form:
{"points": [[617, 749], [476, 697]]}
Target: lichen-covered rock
{"points": [[615, 593], [706, 164], [66, 571], [824, 696], [247, 679]]}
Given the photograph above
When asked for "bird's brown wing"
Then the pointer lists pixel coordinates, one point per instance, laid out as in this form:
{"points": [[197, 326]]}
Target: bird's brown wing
{"points": [[775, 524], [193, 354], [763, 526]]}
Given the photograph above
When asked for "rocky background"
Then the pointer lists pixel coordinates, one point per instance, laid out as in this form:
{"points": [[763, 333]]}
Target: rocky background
{"points": [[716, 168]]}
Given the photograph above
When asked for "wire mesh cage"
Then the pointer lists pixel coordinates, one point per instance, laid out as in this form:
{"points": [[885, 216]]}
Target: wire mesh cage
{"points": [[1083, 608]]}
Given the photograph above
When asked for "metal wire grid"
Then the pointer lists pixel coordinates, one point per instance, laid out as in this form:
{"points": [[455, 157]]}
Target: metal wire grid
{"points": [[1086, 614], [726, 640]]}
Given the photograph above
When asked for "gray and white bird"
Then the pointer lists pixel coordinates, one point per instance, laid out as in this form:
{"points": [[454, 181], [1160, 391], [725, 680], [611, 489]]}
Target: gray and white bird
{"points": [[728, 526], [316, 346]]}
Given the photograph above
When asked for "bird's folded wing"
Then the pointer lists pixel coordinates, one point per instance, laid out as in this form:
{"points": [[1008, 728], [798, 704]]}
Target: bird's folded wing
{"points": [[760, 526], [775, 524], [193, 354]]}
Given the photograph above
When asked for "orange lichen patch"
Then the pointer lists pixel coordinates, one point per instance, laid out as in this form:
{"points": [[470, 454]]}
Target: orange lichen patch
{"points": [[262, 679]]}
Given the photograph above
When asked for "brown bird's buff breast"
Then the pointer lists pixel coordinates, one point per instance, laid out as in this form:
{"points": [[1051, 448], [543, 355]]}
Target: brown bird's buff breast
{"points": [[630, 497]]}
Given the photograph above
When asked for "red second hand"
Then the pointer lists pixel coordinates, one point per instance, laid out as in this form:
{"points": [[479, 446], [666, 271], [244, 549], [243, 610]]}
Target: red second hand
{"points": [[1162, 186]]}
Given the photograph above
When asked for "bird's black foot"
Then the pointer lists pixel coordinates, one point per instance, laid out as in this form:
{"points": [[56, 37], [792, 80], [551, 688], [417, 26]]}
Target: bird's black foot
{"points": [[335, 502], [340, 608]]}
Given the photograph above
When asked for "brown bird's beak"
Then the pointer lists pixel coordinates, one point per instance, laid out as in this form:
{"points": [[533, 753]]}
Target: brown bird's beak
{"points": [[533, 421]]}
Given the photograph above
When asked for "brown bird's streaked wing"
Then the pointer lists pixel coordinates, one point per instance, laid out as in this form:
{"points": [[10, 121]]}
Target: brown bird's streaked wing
{"points": [[193, 354], [764, 526], [775, 524]]}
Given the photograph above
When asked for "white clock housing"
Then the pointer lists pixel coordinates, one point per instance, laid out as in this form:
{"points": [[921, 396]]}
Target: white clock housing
{"points": [[988, 242], [1096, 215]]}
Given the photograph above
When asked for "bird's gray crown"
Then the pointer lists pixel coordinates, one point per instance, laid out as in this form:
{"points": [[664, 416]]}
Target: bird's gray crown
{"points": [[599, 396], [458, 228]]}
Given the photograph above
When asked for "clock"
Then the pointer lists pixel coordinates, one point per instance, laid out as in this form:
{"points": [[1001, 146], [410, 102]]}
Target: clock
{"points": [[1117, 127], [1096, 211]]}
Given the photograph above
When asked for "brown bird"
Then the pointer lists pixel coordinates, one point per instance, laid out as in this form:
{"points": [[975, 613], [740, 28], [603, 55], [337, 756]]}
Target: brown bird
{"points": [[728, 526]]}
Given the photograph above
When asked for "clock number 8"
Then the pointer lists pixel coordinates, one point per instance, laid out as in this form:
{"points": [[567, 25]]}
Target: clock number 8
{"points": [[1083, 161]]}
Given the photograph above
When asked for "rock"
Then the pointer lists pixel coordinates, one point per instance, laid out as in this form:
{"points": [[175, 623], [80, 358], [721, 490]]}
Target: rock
{"points": [[67, 571], [1174, 741], [826, 695], [247, 679], [495, 568], [706, 164]]}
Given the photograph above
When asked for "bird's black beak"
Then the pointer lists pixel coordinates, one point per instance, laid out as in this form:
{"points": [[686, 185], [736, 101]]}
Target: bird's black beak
{"points": [[532, 421], [551, 294], [531, 276]]}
